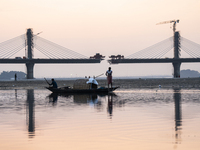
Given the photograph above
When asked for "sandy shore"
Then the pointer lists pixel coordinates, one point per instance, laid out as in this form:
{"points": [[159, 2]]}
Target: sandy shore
{"points": [[123, 83]]}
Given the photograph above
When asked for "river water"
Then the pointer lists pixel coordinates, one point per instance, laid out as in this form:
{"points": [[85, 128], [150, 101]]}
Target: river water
{"points": [[141, 119]]}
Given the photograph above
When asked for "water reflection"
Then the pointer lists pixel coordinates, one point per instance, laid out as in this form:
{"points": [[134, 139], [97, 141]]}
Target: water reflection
{"points": [[30, 113], [86, 98], [91, 98], [110, 105], [15, 94], [178, 118], [96, 101], [76, 115], [53, 98]]}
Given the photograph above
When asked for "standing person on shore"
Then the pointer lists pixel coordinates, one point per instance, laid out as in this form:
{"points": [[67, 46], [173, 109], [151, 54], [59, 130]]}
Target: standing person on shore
{"points": [[15, 77], [109, 76], [54, 84]]}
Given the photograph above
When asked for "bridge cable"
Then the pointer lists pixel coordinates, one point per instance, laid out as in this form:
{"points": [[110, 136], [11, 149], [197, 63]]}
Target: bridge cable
{"points": [[150, 50], [154, 50], [14, 51], [160, 50], [45, 52], [165, 51], [56, 50], [8, 48], [189, 52], [48, 52], [191, 47]]}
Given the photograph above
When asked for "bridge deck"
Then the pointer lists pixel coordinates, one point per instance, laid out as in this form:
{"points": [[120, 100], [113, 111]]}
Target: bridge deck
{"points": [[160, 60], [46, 61]]}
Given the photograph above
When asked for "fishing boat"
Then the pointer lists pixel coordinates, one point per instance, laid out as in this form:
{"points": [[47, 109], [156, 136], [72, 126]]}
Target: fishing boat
{"points": [[83, 86], [71, 90]]}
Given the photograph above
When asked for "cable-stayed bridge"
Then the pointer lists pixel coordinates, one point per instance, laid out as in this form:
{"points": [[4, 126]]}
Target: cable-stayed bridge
{"points": [[155, 53], [54, 52]]}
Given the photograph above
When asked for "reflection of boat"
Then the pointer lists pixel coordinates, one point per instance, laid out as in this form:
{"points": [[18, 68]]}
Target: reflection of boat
{"points": [[79, 97], [70, 90], [69, 95]]}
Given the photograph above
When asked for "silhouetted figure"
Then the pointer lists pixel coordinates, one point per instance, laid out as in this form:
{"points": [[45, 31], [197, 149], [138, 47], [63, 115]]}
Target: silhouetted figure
{"points": [[54, 84], [15, 77], [109, 76]]}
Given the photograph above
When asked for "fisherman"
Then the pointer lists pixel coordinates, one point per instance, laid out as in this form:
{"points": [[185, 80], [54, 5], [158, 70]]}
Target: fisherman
{"points": [[109, 76], [54, 84], [93, 82]]}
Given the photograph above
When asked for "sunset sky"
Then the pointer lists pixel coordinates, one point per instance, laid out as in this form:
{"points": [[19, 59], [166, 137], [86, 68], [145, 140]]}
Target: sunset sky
{"points": [[109, 27]]}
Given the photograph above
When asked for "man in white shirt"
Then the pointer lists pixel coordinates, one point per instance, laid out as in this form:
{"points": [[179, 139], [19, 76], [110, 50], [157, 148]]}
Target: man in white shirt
{"points": [[109, 76]]}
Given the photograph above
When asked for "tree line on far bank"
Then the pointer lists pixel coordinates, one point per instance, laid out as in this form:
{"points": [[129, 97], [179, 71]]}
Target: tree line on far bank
{"points": [[189, 73], [21, 75], [11, 74]]}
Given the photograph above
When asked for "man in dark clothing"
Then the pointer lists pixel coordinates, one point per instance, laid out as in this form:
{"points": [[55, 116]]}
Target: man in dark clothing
{"points": [[15, 77], [54, 84]]}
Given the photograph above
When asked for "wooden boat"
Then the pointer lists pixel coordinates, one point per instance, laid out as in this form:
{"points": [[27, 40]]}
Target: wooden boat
{"points": [[71, 90]]}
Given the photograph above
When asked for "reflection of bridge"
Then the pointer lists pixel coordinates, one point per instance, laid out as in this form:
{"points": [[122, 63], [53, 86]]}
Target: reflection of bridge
{"points": [[155, 53], [112, 100], [30, 112], [54, 52], [178, 114]]}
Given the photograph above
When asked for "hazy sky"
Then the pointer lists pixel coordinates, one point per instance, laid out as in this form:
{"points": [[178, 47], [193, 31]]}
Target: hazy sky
{"points": [[104, 26]]}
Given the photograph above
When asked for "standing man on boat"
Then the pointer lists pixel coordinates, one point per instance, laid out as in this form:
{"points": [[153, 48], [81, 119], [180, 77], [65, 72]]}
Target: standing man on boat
{"points": [[54, 84], [109, 76]]}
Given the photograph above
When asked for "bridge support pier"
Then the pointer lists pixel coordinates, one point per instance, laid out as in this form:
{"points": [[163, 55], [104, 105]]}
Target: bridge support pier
{"points": [[177, 67], [177, 50], [29, 67]]}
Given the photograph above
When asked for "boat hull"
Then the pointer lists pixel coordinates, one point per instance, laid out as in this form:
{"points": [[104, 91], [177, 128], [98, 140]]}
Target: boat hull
{"points": [[68, 90]]}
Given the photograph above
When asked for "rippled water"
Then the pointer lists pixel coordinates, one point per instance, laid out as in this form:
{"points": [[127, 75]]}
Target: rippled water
{"points": [[142, 119]]}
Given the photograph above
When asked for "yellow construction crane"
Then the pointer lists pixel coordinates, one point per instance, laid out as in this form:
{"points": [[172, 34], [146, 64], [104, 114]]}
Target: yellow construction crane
{"points": [[171, 21]]}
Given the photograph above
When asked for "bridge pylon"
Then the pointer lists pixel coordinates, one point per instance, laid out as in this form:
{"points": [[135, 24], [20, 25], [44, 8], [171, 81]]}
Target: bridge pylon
{"points": [[29, 65], [177, 50]]}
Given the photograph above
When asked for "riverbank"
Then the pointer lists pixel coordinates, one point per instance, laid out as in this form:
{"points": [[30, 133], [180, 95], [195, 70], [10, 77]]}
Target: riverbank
{"points": [[123, 83]]}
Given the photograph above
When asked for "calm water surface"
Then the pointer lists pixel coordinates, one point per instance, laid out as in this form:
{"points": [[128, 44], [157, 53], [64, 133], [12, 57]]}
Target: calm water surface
{"points": [[141, 119]]}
